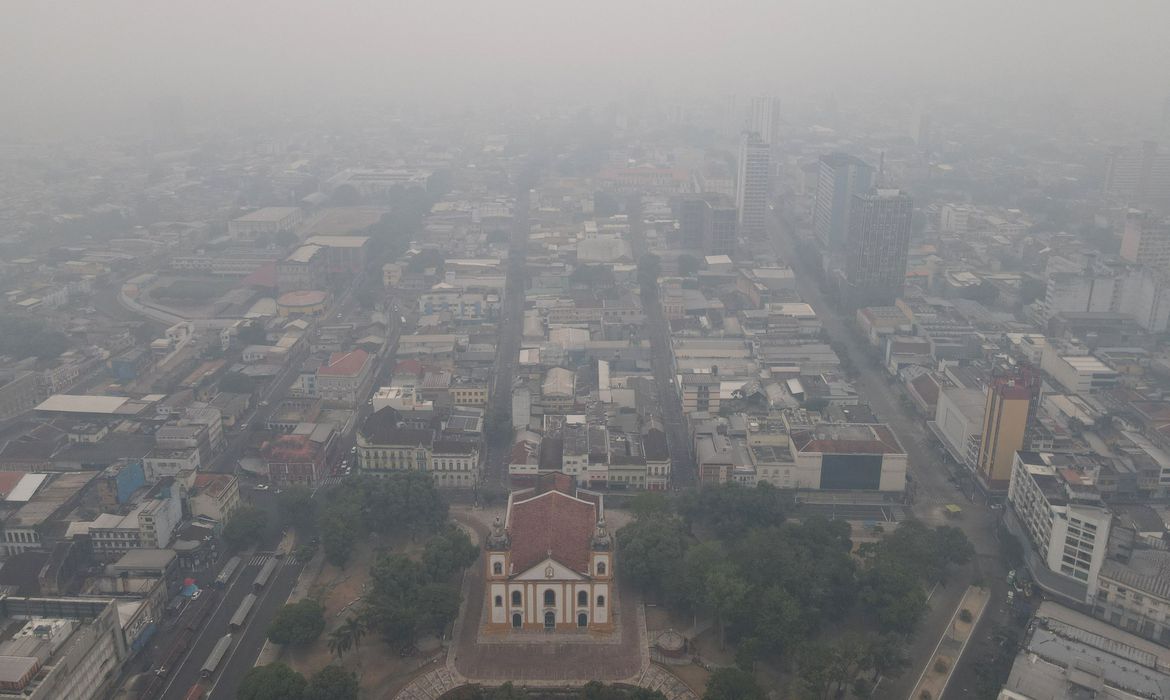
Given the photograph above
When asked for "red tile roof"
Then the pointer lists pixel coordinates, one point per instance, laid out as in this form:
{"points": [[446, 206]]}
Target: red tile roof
{"points": [[345, 364], [8, 481], [551, 525]]}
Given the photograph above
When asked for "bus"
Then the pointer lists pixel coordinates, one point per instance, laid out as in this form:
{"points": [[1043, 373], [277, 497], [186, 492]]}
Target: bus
{"points": [[229, 569], [242, 612], [217, 654], [264, 575]]}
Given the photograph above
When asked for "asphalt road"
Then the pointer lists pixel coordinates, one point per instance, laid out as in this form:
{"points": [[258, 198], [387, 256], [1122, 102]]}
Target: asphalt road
{"points": [[683, 470], [932, 486], [511, 331]]}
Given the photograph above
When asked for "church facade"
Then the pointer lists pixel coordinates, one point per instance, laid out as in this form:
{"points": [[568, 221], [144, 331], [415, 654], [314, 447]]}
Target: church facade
{"points": [[550, 563]]}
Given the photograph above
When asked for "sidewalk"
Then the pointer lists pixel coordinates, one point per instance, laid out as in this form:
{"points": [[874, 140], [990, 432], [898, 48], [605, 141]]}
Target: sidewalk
{"points": [[933, 680]]}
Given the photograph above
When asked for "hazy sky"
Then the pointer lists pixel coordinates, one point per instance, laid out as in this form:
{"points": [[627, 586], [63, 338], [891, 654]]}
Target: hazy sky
{"points": [[64, 60]]}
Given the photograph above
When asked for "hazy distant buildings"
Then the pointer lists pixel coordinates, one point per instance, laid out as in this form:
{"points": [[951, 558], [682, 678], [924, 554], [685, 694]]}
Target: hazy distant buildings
{"points": [[751, 187], [268, 221], [1139, 176], [876, 248], [707, 223], [840, 177], [1146, 240], [762, 118]]}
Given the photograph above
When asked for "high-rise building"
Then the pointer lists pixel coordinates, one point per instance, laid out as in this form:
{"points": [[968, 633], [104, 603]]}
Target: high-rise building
{"points": [[1146, 240], [876, 248], [841, 176], [762, 118], [1139, 176], [707, 223], [751, 187], [1010, 399]]}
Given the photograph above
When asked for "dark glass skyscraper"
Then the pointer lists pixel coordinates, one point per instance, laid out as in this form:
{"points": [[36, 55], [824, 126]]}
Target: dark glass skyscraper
{"points": [[876, 248]]}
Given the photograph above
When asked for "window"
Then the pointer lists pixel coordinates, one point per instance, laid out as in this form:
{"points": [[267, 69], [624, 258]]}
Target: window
{"points": [[601, 601], [550, 597], [515, 597], [582, 598], [499, 601], [498, 568], [601, 568]]}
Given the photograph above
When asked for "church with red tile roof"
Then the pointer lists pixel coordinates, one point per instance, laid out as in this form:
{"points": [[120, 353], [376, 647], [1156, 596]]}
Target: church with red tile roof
{"points": [[550, 562]]}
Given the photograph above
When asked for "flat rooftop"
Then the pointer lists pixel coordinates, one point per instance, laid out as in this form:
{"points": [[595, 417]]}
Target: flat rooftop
{"points": [[269, 214]]}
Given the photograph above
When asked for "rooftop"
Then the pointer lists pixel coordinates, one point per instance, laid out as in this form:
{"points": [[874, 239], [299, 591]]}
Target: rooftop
{"points": [[269, 214], [345, 364], [552, 525], [847, 438]]}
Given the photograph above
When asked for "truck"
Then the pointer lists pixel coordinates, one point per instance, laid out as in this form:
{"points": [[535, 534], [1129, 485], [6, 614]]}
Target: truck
{"points": [[241, 614], [217, 654]]}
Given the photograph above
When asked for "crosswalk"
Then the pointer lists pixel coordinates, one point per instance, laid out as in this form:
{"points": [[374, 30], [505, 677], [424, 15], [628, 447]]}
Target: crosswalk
{"points": [[261, 558]]}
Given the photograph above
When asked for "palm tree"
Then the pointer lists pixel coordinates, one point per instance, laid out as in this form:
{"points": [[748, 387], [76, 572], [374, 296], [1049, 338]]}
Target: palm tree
{"points": [[339, 642], [348, 636]]}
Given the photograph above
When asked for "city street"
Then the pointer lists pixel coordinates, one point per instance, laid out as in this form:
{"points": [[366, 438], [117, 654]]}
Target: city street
{"points": [[934, 489], [508, 344], [683, 470]]}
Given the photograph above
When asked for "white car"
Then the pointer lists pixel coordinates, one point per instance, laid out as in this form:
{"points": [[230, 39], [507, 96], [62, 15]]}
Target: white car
{"points": [[261, 487]]}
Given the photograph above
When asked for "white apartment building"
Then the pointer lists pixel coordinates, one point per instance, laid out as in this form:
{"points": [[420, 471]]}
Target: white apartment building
{"points": [[1062, 514]]}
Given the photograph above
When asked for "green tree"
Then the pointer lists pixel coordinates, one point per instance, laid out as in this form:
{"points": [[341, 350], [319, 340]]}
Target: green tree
{"points": [[271, 682], [297, 623], [332, 683], [726, 594], [348, 636], [295, 507], [733, 684], [244, 526], [650, 548], [731, 510], [438, 605], [447, 553]]}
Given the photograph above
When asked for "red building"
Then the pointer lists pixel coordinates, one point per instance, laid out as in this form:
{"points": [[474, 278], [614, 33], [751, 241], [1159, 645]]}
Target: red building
{"points": [[294, 459]]}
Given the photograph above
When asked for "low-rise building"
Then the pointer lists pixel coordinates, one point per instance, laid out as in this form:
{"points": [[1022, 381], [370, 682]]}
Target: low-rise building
{"points": [[848, 457], [346, 378], [213, 496], [294, 460]]}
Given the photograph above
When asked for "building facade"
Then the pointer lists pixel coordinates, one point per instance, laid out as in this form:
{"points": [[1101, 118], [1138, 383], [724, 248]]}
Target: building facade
{"points": [[1005, 422], [752, 187], [877, 247], [550, 564], [839, 177]]}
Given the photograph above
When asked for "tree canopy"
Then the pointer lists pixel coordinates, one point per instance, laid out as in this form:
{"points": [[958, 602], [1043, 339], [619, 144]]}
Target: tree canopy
{"points": [[733, 684], [271, 682], [244, 526], [297, 623], [403, 502], [332, 683]]}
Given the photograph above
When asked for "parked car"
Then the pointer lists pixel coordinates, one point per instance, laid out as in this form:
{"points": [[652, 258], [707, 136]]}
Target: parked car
{"points": [[261, 487]]}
